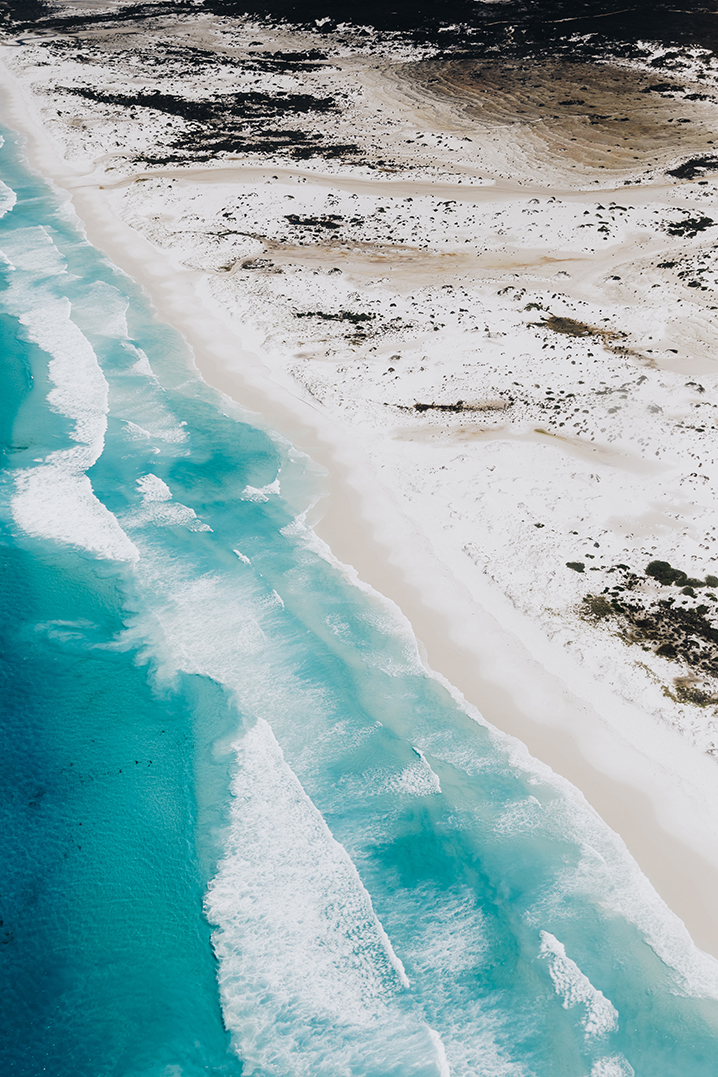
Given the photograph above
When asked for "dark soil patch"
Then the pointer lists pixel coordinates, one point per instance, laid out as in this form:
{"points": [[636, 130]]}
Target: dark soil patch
{"points": [[257, 263], [571, 328], [662, 87]]}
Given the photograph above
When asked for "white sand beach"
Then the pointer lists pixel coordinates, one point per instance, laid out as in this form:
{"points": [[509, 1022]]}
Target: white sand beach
{"points": [[504, 365]]}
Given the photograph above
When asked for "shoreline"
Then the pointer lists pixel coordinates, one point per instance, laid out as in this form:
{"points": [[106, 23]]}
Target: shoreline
{"points": [[664, 828]]}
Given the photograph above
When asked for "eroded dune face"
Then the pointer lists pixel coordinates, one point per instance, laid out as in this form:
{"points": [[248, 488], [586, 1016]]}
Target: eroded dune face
{"points": [[573, 118]]}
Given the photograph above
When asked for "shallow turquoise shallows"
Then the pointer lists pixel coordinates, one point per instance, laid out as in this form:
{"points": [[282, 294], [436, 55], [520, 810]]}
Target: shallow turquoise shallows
{"points": [[243, 830]]}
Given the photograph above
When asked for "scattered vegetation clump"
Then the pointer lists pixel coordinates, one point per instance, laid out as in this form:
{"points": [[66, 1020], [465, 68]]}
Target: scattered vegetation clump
{"points": [[597, 607], [577, 566], [696, 166], [665, 574], [687, 691], [340, 316], [671, 626], [689, 226]]}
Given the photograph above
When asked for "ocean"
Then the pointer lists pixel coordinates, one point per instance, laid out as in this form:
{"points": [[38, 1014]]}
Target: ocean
{"points": [[244, 830]]}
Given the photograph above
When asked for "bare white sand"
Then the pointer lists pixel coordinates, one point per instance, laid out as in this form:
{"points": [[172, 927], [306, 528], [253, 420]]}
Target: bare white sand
{"points": [[645, 777]]}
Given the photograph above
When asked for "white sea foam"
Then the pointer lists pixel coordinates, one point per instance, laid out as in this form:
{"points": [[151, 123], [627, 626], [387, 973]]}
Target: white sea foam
{"points": [[55, 500], [8, 198], [263, 493], [141, 365], [157, 421], [444, 1070], [80, 390], [31, 250], [159, 509], [417, 780], [575, 989], [606, 872], [153, 488], [452, 944], [454, 936], [135, 432], [105, 311], [380, 613], [613, 1066], [310, 983], [430, 775]]}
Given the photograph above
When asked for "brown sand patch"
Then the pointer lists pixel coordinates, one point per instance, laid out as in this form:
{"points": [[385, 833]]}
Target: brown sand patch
{"points": [[580, 117]]}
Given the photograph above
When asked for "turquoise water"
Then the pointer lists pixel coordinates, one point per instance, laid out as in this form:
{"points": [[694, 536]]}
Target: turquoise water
{"points": [[244, 831]]}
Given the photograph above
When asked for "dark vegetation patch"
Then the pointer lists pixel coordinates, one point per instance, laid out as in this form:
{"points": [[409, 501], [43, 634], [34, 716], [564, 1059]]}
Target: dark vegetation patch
{"points": [[689, 226], [237, 106], [22, 16], [340, 316], [287, 63], [578, 29], [696, 166], [667, 575], [586, 27], [330, 220], [678, 624], [357, 319], [460, 405], [687, 690], [230, 123]]}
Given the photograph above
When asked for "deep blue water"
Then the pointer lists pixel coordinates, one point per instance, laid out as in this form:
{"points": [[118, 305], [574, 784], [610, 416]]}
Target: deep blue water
{"points": [[243, 830]]}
